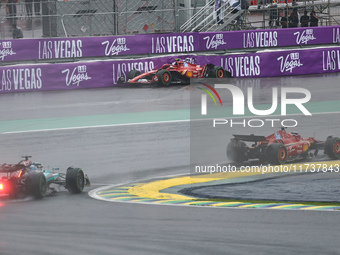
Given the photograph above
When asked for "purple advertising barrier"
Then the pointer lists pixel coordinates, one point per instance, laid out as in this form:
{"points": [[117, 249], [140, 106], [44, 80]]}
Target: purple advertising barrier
{"points": [[31, 49], [61, 48], [278, 63], [171, 43], [269, 38], [70, 76], [97, 74], [27, 49]]}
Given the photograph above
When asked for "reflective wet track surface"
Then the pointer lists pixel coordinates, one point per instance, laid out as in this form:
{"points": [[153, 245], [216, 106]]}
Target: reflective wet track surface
{"points": [[123, 153]]}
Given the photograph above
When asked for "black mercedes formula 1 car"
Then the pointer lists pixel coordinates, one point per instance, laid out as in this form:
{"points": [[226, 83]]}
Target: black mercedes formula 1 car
{"points": [[30, 179]]}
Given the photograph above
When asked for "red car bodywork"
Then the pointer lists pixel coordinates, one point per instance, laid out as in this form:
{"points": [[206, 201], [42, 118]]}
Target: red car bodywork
{"points": [[177, 72], [184, 68], [280, 147], [12, 173], [294, 143]]}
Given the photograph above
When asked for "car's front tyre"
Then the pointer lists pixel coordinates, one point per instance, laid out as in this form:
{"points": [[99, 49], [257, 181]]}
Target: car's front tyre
{"points": [[75, 180], [332, 147], [164, 77]]}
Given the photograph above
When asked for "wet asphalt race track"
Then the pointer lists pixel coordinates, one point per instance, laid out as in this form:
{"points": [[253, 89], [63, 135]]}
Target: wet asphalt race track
{"points": [[77, 224]]}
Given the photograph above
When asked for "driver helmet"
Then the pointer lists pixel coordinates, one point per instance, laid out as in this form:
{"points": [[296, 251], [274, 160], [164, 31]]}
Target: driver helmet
{"points": [[33, 167]]}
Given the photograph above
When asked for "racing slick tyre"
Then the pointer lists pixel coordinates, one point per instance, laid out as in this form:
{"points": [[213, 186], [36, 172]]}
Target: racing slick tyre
{"points": [[133, 73], [217, 72], [36, 185], [237, 151], [332, 147], [121, 80], [164, 77], [276, 154], [75, 180]]}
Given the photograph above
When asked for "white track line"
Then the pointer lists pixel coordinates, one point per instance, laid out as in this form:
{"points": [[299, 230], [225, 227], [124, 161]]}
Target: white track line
{"points": [[153, 122], [96, 126]]}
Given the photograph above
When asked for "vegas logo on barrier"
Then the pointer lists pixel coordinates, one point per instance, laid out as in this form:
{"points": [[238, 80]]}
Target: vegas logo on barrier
{"points": [[290, 62], [77, 75], [117, 46], [6, 50], [214, 41], [305, 36]]}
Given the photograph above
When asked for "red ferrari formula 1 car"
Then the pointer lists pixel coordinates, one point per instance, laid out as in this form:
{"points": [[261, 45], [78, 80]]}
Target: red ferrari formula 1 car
{"points": [[280, 147], [178, 72]]}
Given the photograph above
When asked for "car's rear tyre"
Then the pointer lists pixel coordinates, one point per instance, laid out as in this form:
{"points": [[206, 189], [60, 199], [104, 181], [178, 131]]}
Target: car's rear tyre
{"points": [[332, 147], [133, 73], [237, 151], [164, 77], [217, 72], [276, 154], [36, 185], [121, 80], [75, 180], [228, 74]]}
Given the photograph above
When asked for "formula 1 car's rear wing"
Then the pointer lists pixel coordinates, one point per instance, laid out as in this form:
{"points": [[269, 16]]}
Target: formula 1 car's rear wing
{"points": [[250, 138]]}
